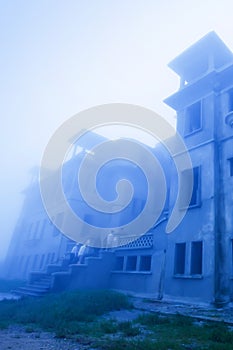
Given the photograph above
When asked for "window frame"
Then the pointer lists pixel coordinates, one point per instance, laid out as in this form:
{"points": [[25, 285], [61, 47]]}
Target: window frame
{"points": [[144, 257], [186, 112], [192, 258], [122, 259], [128, 264], [230, 100], [179, 244], [198, 194], [230, 161]]}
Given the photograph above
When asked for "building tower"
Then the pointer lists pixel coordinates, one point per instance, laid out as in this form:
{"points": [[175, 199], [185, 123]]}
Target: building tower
{"points": [[204, 120]]}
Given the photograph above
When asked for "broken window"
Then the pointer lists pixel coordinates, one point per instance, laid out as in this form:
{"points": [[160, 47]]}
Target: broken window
{"points": [[231, 166], [119, 263], [48, 259], [42, 261], [193, 118], [196, 258], [36, 230], [196, 182], [34, 265], [53, 257], [59, 221], [30, 231], [43, 227], [185, 187], [145, 263], [180, 249], [230, 100], [131, 263], [232, 257], [21, 263], [26, 265]]}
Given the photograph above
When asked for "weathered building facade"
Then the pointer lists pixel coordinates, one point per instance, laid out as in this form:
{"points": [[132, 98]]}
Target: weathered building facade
{"points": [[195, 261]]}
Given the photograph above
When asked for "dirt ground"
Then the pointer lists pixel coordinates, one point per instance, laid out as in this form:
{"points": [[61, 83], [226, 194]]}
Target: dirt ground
{"points": [[16, 338], [202, 312]]}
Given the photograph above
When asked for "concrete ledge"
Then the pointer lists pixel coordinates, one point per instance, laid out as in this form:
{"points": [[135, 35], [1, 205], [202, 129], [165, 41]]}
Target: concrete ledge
{"points": [[60, 281], [53, 268], [36, 276], [189, 277], [133, 272]]}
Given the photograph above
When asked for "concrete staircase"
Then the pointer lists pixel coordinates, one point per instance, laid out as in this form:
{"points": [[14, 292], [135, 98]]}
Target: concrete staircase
{"points": [[94, 273], [35, 289]]}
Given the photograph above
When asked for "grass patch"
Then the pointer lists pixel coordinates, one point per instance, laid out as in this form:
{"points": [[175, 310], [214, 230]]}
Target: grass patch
{"points": [[3, 325], [108, 326], [219, 333], [62, 313], [178, 331], [152, 319], [78, 315], [29, 329], [128, 329]]}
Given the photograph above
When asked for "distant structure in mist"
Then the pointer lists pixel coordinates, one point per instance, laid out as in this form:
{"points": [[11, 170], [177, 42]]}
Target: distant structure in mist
{"points": [[193, 263]]}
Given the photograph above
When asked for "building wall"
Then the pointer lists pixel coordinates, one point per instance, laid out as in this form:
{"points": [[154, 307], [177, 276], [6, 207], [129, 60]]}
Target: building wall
{"points": [[195, 261], [36, 242]]}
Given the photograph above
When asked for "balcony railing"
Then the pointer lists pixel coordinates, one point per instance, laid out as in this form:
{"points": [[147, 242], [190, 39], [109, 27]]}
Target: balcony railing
{"points": [[131, 242]]}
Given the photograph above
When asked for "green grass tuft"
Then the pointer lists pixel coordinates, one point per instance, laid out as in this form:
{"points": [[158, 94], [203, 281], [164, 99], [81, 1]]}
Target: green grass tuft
{"points": [[221, 334], [62, 312], [79, 315], [152, 319], [128, 329]]}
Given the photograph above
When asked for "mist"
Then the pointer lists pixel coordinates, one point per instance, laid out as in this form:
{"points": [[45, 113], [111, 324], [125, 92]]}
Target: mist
{"points": [[59, 58]]}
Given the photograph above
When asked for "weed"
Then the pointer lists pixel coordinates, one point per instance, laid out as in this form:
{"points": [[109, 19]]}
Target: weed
{"points": [[3, 325], [76, 314], [108, 326], [128, 329], [63, 312], [181, 320], [221, 334], [152, 319], [29, 329]]}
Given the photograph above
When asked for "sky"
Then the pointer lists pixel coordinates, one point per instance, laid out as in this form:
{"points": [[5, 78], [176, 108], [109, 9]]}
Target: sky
{"points": [[60, 57]]}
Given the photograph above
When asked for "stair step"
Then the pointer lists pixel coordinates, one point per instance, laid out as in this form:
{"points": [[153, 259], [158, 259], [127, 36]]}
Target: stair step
{"points": [[48, 281], [32, 289], [29, 294], [36, 289], [32, 286], [41, 284]]}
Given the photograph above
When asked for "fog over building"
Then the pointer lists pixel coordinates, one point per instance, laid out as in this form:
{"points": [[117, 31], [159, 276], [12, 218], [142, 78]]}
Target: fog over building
{"points": [[195, 261]]}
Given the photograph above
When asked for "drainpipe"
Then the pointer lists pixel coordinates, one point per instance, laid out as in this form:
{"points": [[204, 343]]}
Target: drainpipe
{"points": [[162, 276], [163, 263], [222, 281]]}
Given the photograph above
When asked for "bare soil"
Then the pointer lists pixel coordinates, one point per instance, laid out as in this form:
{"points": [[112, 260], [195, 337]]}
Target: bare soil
{"points": [[17, 338]]}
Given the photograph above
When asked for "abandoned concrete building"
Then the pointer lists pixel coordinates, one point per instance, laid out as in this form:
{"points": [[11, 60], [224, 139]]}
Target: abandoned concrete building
{"points": [[195, 262]]}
